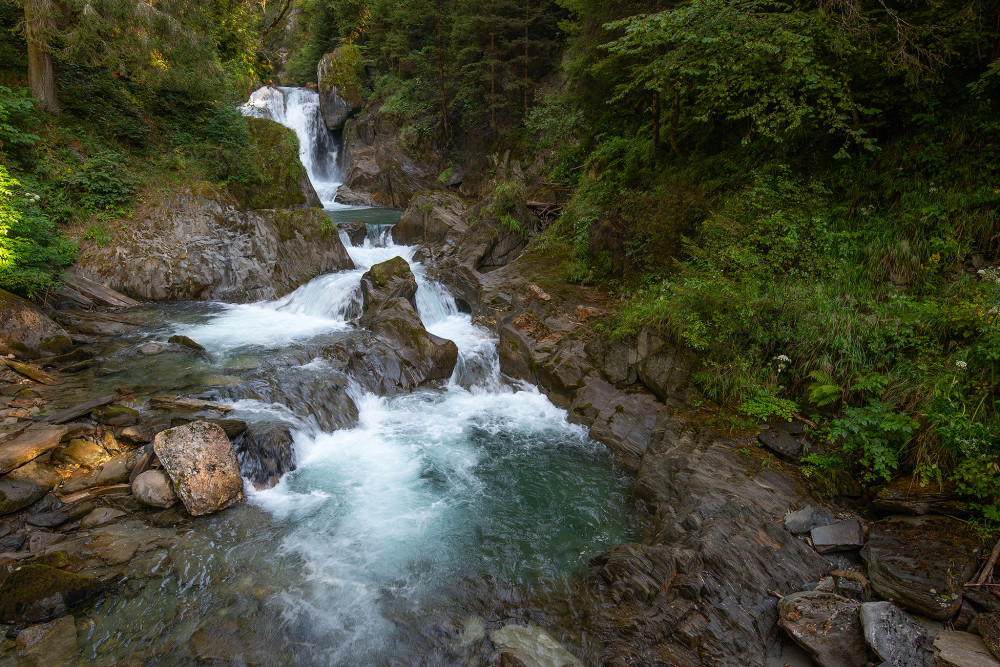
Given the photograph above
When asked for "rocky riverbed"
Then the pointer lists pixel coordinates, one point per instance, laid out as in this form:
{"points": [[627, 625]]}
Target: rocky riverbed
{"points": [[413, 443]]}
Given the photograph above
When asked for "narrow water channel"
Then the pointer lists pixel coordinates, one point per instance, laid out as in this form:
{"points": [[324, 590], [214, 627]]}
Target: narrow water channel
{"points": [[362, 553]]}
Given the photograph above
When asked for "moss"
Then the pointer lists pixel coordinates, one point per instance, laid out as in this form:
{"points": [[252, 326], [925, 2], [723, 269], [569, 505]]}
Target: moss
{"points": [[56, 344], [116, 415], [275, 151], [339, 70], [31, 584]]}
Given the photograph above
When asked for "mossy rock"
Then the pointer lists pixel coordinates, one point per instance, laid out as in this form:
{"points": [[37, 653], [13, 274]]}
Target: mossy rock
{"points": [[184, 341], [116, 415], [37, 592], [275, 151], [60, 344], [68, 359], [339, 71]]}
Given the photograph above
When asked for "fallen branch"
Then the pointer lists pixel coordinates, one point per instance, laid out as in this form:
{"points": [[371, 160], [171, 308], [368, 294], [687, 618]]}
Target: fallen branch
{"points": [[986, 573]]}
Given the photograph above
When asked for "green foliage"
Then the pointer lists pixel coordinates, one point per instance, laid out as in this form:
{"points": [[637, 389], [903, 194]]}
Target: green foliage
{"points": [[102, 182], [824, 390], [32, 250], [877, 434], [765, 404], [15, 117], [755, 61]]}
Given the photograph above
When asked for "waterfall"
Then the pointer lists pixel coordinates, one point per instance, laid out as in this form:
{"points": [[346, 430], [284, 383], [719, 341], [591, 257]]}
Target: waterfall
{"points": [[298, 109]]}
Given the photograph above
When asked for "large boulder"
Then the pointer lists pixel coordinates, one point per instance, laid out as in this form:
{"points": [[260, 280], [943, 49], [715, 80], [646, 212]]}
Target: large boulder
{"points": [[388, 280], [922, 563], [421, 356], [202, 465], [24, 329], [29, 445], [339, 83], [431, 217], [200, 243], [826, 626]]}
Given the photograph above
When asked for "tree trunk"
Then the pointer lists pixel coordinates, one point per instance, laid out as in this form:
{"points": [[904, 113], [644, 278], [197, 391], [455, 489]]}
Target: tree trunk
{"points": [[493, 85], [656, 124], [675, 119], [37, 21], [443, 89], [527, 20]]}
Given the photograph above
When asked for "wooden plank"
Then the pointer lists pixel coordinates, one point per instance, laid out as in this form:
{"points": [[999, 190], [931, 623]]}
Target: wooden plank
{"points": [[35, 441], [80, 410], [31, 372], [179, 403]]}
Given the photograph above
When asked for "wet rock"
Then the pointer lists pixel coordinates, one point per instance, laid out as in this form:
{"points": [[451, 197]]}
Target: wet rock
{"points": [[646, 358], [988, 625], [339, 85], [532, 646], [29, 445], [431, 217], [100, 516], [922, 563], [116, 415], [234, 641], [184, 341], [265, 453], [33, 593], [386, 281], [713, 541], [154, 488], [94, 323], [23, 327], [826, 626], [139, 434], [82, 453], [11, 543], [624, 421], [232, 427], [28, 371], [58, 345], [411, 355], [356, 231], [809, 517], [52, 643], [894, 636], [58, 517], [781, 443], [39, 541], [841, 536], [962, 649], [24, 486], [202, 243], [74, 357], [202, 465], [113, 471]]}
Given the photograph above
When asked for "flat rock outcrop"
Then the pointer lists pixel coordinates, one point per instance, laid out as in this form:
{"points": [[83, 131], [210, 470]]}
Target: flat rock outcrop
{"points": [[199, 243]]}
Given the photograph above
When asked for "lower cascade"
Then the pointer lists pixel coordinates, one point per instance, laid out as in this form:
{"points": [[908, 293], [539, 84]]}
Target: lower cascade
{"points": [[387, 526]]}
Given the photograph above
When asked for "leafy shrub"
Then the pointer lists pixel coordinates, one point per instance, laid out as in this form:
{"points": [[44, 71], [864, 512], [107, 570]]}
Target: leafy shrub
{"points": [[15, 110], [32, 250], [102, 181], [877, 434]]}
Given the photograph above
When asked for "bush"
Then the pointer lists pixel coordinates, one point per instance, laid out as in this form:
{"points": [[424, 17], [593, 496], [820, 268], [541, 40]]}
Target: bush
{"points": [[102, 182], [32, 250]]}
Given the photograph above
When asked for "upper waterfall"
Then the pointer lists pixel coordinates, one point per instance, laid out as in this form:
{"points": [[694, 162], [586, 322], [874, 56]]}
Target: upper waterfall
{"points": [[298, 109]]}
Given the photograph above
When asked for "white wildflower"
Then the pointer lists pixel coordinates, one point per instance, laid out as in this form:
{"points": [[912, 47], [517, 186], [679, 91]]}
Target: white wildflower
{"points": [[962, 364], [783, 359]]}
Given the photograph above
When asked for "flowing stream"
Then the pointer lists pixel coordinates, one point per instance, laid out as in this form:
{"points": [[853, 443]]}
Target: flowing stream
{"points": [[378, 547]]}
